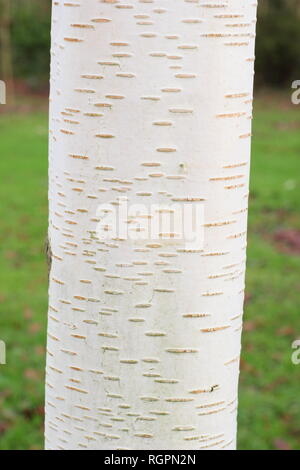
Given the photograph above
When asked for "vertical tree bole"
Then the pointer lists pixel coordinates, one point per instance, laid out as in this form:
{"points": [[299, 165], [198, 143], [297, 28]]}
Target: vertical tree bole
{"points": [[151, 104]]}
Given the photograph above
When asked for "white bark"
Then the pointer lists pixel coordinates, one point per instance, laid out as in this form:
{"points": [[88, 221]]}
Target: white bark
{"points": [[152, 100]]}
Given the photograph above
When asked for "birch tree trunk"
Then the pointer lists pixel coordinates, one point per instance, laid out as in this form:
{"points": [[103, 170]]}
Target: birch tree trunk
{"points": [[151, 104]]}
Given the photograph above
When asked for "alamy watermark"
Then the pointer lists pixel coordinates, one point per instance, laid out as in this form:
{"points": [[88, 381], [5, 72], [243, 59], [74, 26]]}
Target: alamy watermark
{"points": [[179, 223], [296, 94], [2, 352], [296, 354], [2, 92]]}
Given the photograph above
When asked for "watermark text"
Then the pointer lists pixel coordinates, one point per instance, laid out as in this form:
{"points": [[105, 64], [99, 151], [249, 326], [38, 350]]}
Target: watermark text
{"points": [[177, 223]]}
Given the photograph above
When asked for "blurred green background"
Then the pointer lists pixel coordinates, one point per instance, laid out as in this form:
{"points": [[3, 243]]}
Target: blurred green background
{"points": [[269, 413]]}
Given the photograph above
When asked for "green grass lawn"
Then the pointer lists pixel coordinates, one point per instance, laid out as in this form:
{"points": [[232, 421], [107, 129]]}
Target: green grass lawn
{"points": [[269, 413]]}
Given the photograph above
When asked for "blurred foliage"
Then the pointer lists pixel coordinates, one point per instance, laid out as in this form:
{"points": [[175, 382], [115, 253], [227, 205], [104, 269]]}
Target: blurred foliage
{"points": [[278, 38], [30, 31]]}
